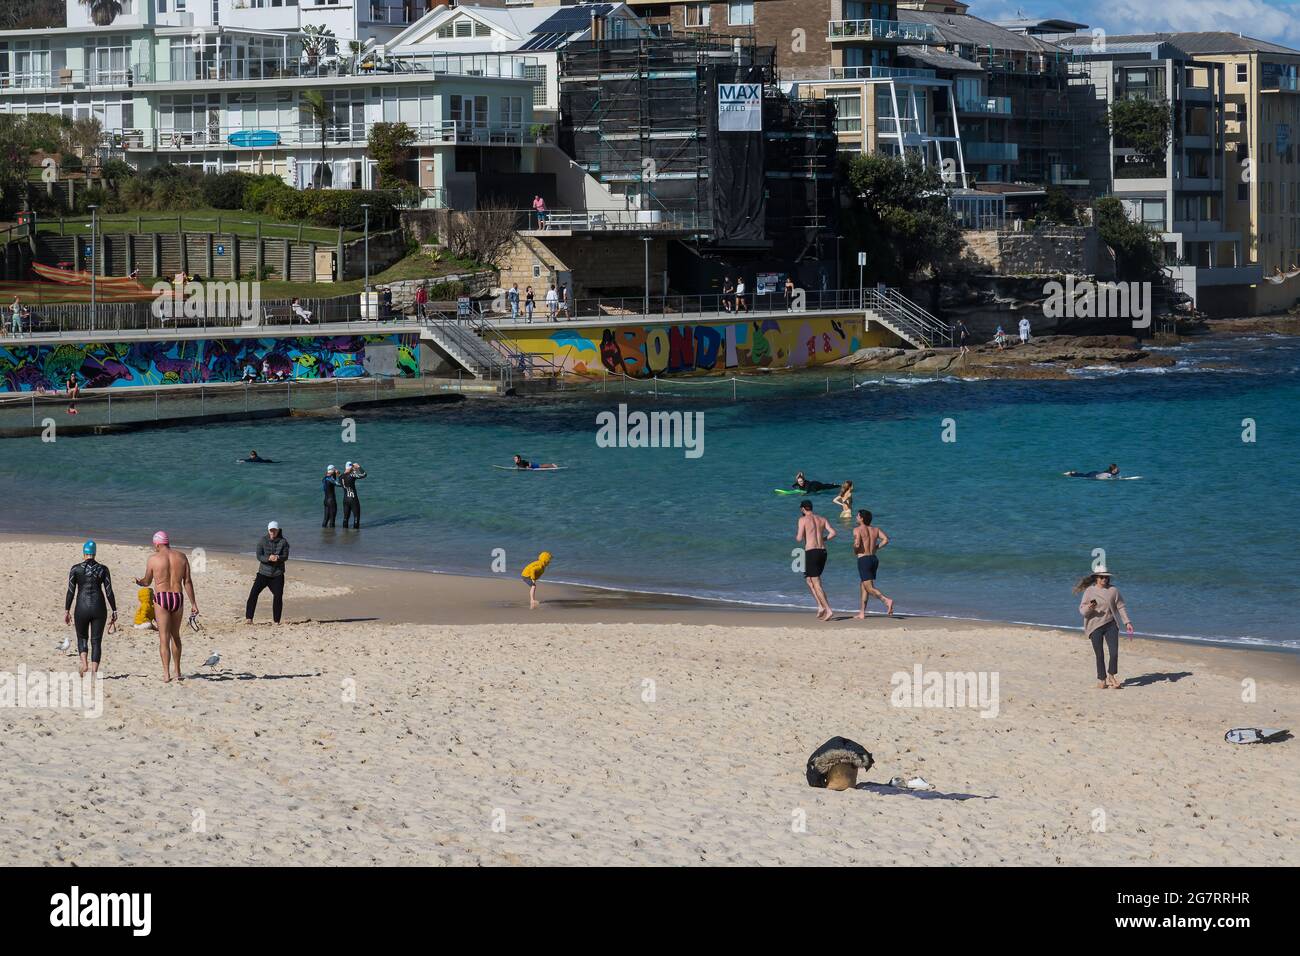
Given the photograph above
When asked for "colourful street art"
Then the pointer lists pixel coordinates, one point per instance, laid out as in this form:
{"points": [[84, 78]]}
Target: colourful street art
{"points": [[36, 367], [643, 351]]}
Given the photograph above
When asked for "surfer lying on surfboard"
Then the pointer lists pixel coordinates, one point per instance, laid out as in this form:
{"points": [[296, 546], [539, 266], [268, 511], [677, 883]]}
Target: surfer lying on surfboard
{"points": [[527, 465], [1111, 472], [808, 485], [255, 459]]}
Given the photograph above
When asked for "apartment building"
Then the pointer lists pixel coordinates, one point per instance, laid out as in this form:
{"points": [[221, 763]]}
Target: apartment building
{"points": [[348, 20], [1184, 194], [1262, 111], [232, 98]]}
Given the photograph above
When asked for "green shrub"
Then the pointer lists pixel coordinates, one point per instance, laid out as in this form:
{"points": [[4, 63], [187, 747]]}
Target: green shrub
{"points": [[225, 190], [263, 191]]}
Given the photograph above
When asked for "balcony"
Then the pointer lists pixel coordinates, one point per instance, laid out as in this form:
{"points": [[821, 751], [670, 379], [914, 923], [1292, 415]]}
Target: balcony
{"points": [[881, 31], [445, 133], [236, 70], [878, 73], [987, 106], [991, 152], [394, 14]]}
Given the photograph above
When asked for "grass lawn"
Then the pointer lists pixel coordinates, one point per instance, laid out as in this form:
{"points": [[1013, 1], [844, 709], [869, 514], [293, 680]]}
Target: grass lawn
{"points": [[416, 266], [225, 221]]}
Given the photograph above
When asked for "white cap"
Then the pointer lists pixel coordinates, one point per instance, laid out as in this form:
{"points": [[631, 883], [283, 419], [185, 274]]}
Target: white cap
{"points": [[328, 469], [348, 465], [273, 526]]}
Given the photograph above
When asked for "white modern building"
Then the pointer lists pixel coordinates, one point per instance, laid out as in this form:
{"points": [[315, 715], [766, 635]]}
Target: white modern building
{"points": [[233, 97]]}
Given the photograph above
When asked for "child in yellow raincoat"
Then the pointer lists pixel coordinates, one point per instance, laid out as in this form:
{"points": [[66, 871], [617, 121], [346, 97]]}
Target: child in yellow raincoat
{"points": [[144, 616], [532, 574]]}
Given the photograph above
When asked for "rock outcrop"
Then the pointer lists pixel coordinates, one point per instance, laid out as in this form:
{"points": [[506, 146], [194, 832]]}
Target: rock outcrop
{"points": [[1047, 357]]}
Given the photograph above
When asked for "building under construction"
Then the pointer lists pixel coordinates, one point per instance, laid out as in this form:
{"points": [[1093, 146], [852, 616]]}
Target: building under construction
{"points": [[644, 117]]}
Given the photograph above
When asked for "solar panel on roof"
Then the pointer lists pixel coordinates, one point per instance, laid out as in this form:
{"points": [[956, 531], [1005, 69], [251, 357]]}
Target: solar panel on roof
{"points": [[545, 41], [572, 19]]}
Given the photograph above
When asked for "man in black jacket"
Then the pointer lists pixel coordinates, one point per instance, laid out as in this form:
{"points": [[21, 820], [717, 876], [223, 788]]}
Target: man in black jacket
{"points": [[351, 503], [272, 553]]}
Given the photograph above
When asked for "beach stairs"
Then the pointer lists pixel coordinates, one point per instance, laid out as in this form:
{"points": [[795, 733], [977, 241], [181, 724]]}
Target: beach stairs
{"points": [[463, 345], [911, 323]]}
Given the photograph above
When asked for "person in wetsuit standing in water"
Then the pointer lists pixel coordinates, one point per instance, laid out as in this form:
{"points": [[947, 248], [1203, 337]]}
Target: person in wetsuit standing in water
{"points": [[90, 586], [351, 503], [328, 484]]}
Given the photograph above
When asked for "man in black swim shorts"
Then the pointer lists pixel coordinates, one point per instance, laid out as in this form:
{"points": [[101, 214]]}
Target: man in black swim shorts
{"points": [[813, 532]]}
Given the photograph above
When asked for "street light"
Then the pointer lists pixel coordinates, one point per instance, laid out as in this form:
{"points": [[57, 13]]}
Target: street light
{"points": [[646, 308], [94, 221]]}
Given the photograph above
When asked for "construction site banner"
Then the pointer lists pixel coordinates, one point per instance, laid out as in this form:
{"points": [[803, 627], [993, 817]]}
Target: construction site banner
{"points": [[740, 107]]}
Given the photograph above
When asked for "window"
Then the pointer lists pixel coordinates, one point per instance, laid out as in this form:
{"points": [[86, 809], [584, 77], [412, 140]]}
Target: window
{"points": [[1243, 73], [482, 30], [697, 14], [445, 31], [464, 27], [740, 13], [539, 91], [512, 112]]}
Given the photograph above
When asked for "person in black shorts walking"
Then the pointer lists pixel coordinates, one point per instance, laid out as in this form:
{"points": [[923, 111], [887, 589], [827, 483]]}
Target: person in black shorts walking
{"points": [[813, 532], [91, 587], [867, 542]]}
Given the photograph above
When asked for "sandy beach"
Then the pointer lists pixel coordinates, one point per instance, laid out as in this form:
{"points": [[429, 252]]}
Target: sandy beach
{"points": [[407, 718]]}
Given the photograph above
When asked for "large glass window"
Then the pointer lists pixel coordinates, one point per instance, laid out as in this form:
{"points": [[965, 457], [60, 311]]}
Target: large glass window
{"points": [[697, 15], [740, 13]]}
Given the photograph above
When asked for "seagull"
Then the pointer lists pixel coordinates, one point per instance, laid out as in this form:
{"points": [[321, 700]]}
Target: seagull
{"points": [[213, 660], [63, 646]]}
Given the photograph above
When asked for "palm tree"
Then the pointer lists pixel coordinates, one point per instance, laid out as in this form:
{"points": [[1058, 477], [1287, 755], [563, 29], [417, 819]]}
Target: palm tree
{"points": [[103, 12], [314, 103]]}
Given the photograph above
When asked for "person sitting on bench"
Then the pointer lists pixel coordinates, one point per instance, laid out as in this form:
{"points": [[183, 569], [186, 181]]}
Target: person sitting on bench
{"points": [[299, 311]]}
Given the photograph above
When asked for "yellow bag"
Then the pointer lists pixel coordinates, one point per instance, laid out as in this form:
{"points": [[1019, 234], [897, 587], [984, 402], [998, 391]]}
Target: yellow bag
{"points": [[145, 613]]}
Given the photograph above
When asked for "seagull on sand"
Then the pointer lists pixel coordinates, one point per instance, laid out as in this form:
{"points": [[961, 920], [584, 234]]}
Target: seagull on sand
{"points": [[63, 646], [213, 660]]}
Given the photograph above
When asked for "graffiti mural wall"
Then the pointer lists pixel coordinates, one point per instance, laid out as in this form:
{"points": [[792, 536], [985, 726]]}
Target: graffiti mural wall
{"points": [[643, 351], [25, 368]]}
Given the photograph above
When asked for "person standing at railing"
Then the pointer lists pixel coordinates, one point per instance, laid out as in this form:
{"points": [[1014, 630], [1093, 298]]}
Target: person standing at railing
{"points": [[740, 296], [17, 321], [513, 298], [530, 303], [789, 294], [539, 207], [421, 300], [552, 302], [564, 300], [728, 290]]}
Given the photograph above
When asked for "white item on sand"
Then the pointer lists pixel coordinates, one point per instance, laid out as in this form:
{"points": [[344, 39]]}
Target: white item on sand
{"points": [[916, 783]]}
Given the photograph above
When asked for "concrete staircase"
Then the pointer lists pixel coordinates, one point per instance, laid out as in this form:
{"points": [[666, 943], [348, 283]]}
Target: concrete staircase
{"points": [[911, 323], [461, 343]]}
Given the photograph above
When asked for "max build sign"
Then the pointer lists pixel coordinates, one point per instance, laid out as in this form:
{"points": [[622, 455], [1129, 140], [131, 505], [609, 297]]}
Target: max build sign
{"points": [[740, 107]]}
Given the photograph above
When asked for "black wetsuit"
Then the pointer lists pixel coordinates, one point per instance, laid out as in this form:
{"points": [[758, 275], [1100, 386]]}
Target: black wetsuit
{"points": [[90, 585], [812, 487], [331, 501], [351, 503]]}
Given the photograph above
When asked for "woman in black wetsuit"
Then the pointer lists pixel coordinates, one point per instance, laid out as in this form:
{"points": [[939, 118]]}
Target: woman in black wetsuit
{"points": [[90, 586]]}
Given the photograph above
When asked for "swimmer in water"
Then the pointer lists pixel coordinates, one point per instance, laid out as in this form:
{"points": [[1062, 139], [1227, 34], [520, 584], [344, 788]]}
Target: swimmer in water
{"points": [[256, 459], [1111, 472], [525, 465], [845, 500], [807, 485]]}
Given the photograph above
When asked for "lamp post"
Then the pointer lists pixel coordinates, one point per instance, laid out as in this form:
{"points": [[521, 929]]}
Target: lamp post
{"points": [[365, 208], [94, 268], [646, 308]]}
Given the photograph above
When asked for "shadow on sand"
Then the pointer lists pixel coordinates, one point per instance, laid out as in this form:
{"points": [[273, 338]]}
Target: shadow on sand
{"points": [[1147, 679], [888, 791]]}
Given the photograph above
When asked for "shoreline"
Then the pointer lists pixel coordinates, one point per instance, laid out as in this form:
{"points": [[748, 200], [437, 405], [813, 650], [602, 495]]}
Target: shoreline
{"points": [[403, 596]]}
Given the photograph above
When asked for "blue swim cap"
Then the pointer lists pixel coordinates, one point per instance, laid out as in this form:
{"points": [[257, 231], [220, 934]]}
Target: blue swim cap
{"points": [[88, 548]]}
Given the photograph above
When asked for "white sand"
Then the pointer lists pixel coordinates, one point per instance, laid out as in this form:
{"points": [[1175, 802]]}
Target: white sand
{"points": [[543, 729]]}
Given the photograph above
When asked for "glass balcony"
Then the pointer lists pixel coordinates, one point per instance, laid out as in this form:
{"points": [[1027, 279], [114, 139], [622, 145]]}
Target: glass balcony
{"points": [[878, 73], [991, 152], [881, 31], [989, 105]]}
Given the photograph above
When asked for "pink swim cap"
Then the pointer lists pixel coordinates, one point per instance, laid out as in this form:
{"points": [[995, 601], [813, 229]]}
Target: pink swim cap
{"points": [[160, 537]]}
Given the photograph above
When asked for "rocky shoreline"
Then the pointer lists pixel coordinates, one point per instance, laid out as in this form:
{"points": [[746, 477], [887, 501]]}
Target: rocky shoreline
{"points": [[1045, 357]]}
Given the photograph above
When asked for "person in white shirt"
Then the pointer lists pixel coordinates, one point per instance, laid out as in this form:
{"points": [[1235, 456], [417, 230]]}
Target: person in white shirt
{"points": [[1024, 331], [552, 301], [740, 296], [299, 311]]}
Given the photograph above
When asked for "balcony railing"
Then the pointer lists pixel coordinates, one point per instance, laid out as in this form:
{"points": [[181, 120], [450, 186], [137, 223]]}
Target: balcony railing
{"points": [[1288, 84], [617, 220], [384, 13], [882, 31], [878, 73], [995, 105], [240, 70], [448, 132]]}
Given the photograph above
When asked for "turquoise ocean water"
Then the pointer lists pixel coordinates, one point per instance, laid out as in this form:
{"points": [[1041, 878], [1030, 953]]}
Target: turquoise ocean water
{"points": [[1204, 545]]}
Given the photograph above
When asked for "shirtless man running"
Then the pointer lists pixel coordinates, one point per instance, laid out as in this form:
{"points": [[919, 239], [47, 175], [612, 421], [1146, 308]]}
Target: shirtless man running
{"points": [[813, 532], [867, 540], [168, 572]]}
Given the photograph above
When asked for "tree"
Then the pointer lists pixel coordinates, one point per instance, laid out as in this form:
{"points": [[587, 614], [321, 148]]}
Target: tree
{"points": [[316, 42], [1138, 253], [1141, 125], [32, 15], [102, 12], [389, 145], [1058, 207], [901, 216], [484, 235], [315, 105]]}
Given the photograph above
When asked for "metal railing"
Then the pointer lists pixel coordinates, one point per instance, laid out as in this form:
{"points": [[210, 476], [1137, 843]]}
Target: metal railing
{"points": [[882, 30], [289, 66], [617, 220], [894, 307], [681, 308], [995, 105], [879, 73], [449, 132]]}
